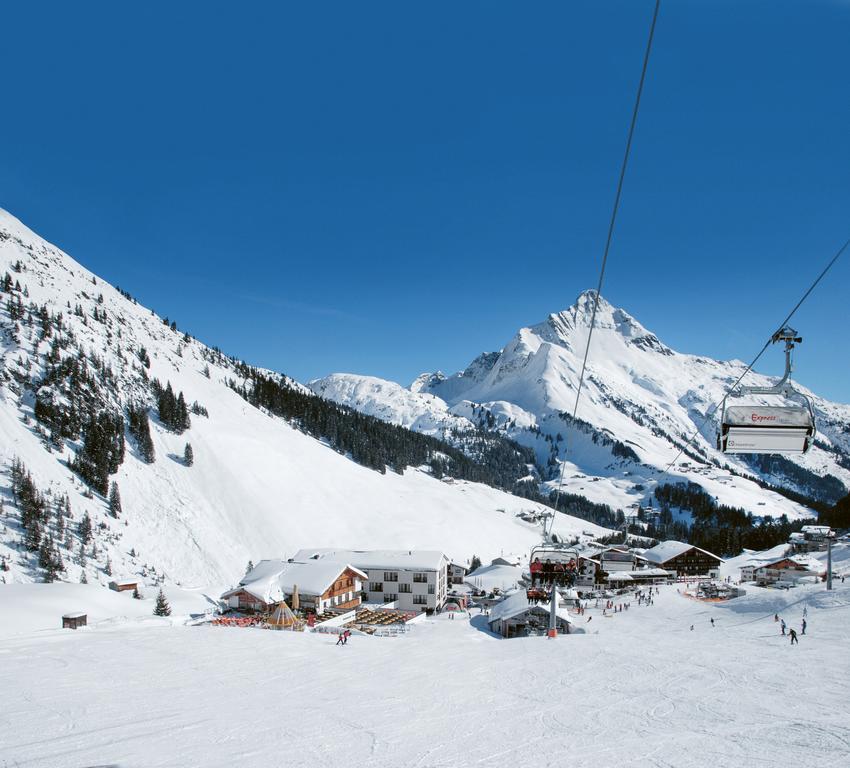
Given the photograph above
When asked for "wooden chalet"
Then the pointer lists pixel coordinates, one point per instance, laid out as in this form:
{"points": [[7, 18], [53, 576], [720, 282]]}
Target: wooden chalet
{"points": [[313, 586], [683, 559]]}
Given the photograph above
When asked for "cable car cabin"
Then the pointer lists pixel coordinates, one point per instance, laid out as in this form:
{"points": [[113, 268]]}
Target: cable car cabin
{"points": [[550, 564], [766, 429]]}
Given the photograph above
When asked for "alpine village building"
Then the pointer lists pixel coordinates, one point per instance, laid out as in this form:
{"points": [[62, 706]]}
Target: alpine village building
{"points": [[319, 585], [412, 580], [682, 559]]}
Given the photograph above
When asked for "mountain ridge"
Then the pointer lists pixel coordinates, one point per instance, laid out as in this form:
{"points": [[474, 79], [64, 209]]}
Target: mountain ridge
{"points": [[73, 347]]}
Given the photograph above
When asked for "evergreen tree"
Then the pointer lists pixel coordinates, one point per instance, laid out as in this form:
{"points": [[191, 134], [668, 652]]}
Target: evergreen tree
{"points": [[83, 578], [136, 594], [475, 564], [162, 608], [188, 455], [181, 415], [85, 529], [139, 426], [114, 500], [47, 559], [108, 567], [102, 451]]}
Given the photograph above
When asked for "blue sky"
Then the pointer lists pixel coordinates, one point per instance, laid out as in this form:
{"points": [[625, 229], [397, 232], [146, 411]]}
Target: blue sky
{"points": [[389, 188]]}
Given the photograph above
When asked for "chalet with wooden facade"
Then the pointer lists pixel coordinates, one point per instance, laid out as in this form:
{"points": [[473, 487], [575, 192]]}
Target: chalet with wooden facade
{"points": [[319, 586], [683, 559]]}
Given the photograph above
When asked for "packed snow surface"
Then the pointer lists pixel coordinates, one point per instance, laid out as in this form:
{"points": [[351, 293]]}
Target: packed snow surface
{"points": [[640, 688]]}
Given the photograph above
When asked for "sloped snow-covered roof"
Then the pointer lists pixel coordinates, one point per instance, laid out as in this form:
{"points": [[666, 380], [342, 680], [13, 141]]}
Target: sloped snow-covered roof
{"points": [[491, 576], [823, 530], [637, 574], [516, 603], [270, 580], [667, 550], [377, 559], [512, 605]]}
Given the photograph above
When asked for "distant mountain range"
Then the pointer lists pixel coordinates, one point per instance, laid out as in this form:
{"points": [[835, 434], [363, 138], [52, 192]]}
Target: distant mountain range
{"points": [[100, 396], [641, 401]]}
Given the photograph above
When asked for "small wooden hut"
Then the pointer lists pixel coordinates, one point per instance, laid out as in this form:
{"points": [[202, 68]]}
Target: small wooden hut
{"points": [[74, 620]]}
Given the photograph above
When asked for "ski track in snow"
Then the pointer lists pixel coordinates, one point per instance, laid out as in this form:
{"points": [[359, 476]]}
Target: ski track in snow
{"points": [[640, 690]]}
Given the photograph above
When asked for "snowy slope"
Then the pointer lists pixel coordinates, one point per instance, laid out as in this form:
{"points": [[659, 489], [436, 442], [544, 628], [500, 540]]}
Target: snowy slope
{"points": [[637, 391], [258, 487], [640, 688]]}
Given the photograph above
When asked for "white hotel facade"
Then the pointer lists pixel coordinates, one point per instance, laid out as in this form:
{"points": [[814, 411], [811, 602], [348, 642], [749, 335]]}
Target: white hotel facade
{"points": [[415, 580]]}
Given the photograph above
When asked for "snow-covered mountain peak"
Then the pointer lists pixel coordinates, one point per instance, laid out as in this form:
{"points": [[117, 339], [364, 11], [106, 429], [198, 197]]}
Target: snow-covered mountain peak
{"points": [[572, 324], [640, 399]]}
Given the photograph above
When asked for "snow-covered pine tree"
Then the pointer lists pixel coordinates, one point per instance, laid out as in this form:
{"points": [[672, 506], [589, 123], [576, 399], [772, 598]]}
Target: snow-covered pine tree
{"points": [[188, 455], [85, 529], [139, 426], [162, 608], [114, 500]]}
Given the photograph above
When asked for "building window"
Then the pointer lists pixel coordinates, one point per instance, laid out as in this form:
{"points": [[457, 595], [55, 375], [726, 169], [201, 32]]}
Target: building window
{"points": [[420, 599], [430, 589], [404, 588], [420, 578], [390, 576], [376, 586], [389, 597]]}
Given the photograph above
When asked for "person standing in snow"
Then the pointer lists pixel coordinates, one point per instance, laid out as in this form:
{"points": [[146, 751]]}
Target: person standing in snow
{"points": [[340, 638], [782, 625], [776, 617], [804, 627], [712, 621], [794, 639], [805, 611]]}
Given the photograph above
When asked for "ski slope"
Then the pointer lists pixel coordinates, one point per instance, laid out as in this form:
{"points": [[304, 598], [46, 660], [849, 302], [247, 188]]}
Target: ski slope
{"points": [[640, 688]]}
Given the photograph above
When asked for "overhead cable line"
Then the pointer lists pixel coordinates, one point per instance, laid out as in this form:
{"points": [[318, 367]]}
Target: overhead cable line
{"points": [[609, 237], [770, 340]]}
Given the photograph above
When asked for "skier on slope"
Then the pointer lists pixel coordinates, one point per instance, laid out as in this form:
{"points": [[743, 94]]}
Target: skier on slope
{"points": [[804, 627], [794, 639], [782, 625], [712, 621]]}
